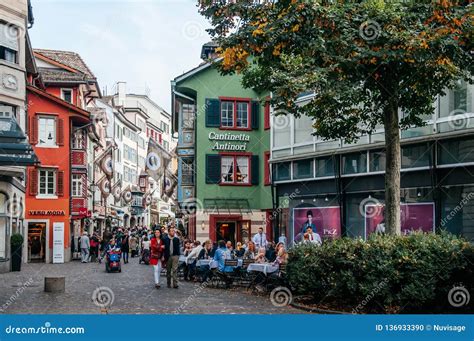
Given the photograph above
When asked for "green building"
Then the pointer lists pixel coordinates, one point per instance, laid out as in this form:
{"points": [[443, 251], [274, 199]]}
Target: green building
{"points": [[223, 150]]}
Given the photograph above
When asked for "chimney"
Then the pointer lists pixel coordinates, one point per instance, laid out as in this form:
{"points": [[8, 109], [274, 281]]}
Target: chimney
{"points": [[121, 93]]}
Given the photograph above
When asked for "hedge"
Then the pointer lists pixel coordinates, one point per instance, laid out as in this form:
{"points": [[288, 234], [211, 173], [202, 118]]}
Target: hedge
{"points": [[411, 273]]}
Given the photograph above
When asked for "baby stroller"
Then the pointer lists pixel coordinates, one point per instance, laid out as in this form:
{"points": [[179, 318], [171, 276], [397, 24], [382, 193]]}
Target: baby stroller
{"points": [[112, 262], [144, 257]]}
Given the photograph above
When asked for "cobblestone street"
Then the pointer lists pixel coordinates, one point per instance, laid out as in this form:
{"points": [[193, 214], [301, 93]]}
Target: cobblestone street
{"points": [[133, 291]]}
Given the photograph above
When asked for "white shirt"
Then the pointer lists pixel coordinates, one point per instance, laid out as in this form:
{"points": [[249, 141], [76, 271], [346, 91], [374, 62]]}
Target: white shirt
{"points": [[260, 240], [314, 238], [146, 245], [194, 252]]}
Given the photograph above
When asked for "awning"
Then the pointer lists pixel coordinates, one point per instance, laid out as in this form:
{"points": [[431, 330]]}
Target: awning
{"points": [[168, 213], [14, 147], [226, 205]]}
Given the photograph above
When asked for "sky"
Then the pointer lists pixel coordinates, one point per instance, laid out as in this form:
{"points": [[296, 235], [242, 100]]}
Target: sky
{"points": [[145, 43]]}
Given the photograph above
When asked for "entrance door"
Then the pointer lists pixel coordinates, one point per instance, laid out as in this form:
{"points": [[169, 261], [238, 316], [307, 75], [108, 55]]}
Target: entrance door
{"points": [[225, 230], [36, 242]]}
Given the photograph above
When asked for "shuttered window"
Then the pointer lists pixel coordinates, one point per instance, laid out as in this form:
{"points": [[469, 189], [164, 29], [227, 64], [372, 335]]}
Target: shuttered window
{"points": [[213, 169]]}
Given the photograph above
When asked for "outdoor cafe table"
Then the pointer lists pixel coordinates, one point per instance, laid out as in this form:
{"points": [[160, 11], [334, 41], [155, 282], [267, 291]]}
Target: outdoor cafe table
{"points": [[182, 259], [265, 268], [213, 263]]}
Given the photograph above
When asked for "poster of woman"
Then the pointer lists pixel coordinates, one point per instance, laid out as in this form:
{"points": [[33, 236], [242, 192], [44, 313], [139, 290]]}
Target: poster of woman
{"points": [[324, 221]]}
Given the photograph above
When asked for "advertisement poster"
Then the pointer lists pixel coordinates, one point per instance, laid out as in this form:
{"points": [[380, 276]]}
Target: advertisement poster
{"points": [[326, 221], [414, 217], [58, 242]]}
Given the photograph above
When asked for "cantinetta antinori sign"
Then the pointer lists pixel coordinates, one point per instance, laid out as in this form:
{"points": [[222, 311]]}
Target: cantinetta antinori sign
{"points": [[227, 141]]}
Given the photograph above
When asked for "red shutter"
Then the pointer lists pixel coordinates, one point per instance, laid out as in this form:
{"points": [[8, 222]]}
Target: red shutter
{"points": [[84, 186], [60, 132], [266, 116], [34, 129], [33, 181], [60, 183], [161, 139], [266, 173]]}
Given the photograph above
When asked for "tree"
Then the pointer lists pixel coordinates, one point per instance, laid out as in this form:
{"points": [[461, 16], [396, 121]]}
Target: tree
{"points": [[368, 63]]}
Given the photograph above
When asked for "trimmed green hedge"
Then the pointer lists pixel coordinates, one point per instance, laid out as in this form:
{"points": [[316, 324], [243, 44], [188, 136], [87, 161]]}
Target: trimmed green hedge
{"points": [[384, 274]]}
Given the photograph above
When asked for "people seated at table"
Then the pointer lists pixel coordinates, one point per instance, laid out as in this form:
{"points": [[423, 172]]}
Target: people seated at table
{"points": [[260, 258], [251, 252], [221, 254], [191, 259], [239, 250], [270, 254], [282, 255], [260, 239], [230, 248]]}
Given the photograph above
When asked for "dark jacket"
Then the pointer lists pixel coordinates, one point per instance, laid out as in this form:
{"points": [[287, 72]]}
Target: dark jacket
{"points": [[176, 247]]}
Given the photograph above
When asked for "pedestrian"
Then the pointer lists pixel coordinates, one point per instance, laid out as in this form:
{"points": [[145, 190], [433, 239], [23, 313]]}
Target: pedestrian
{"points": [[125, 246], [172, 258], [157, 256], [133, 245], [85, 245], [260, 239]]}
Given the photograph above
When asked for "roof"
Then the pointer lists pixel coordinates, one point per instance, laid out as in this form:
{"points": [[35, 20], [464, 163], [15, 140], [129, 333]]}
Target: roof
{"points": [[68, 58], [195, 70], [59, 75]]}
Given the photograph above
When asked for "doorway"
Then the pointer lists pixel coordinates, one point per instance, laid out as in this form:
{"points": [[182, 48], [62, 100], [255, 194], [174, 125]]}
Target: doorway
{"points": [[36, 242], [225, 230]]}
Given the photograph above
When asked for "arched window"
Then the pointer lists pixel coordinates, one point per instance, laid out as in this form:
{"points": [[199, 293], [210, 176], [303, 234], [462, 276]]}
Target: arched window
{"points": [[3, 203]]}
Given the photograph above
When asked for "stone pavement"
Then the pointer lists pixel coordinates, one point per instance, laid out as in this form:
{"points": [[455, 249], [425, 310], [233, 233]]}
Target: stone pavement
{"points": [[132, 290]]}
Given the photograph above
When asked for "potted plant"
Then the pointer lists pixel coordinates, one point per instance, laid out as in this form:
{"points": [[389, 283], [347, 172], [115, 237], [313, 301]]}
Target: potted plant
{"points": [[16, 243]]}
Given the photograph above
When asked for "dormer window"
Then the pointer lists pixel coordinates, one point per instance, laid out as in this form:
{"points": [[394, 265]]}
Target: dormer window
{"points": [[66, 95]]}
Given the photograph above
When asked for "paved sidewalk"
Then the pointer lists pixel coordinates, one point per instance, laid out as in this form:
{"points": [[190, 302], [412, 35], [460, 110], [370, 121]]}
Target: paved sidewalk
{"points": [[132, 289]]}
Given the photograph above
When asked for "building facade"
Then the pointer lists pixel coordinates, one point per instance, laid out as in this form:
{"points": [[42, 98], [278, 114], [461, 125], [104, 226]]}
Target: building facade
{"points": [[342, 185], [223, 148], [16, 67]]}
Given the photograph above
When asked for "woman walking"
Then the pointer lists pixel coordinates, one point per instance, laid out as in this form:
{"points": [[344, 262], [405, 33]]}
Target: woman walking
{"points": [[157, 249]]}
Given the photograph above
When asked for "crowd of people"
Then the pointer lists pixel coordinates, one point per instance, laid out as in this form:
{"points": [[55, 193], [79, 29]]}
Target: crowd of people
{"points": [[162, 246]]}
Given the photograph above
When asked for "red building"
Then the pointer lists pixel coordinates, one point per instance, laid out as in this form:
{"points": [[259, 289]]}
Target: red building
{"points": [[57, 191]]}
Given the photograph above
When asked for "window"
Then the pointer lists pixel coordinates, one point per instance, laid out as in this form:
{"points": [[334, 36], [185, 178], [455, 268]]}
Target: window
{"points": [[47, 182], [129, 154], [141, 142], [77, 185], [7, 110], [456, 151], [377, 161], [235, 170], [282, 171], [303, 169], [8, 42], [66, 95], [355, 163], [165, 127], [78, 140], [416, 156], [141, 162], [457, 101], [235, 114], [141, 124], [303, 129], [187, 171], [47, 131], [188, 116], [166, 145], [118, 155], [324, 167]]}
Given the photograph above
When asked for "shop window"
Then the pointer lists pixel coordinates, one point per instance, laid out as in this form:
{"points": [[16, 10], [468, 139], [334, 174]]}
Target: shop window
{"points": [[416, 156], [456, 151], [282, 171], [303, 169], [235, 170], [76, 185], [377, 161], [324, 166], [354, 163]]}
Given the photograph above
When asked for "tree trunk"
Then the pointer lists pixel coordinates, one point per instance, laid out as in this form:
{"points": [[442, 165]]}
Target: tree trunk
{"points": [[392, 169]]}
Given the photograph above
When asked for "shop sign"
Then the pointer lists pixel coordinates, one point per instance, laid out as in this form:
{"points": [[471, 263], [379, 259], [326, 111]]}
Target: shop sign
{"points": [[58, 242], [83, 212], [229, 142], [413, 217], [325, 221], [46, 212]]}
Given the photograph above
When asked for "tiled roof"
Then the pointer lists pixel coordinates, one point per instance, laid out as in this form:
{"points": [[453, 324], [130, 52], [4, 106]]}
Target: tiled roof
{"points": [[68, 58], [58, 75]]}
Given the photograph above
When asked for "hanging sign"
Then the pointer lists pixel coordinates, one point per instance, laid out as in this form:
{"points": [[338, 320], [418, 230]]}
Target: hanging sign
{"points": [[58, 242]]}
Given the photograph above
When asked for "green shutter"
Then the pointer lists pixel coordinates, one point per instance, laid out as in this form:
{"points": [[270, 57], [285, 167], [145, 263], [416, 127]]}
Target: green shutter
{"points": [[255, 170], [255, 114], [213, 169], [213, 112]]}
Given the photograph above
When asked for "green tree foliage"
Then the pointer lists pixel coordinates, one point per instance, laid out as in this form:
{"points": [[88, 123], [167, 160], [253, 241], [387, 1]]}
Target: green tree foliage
{"points": [[365, 62]]}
